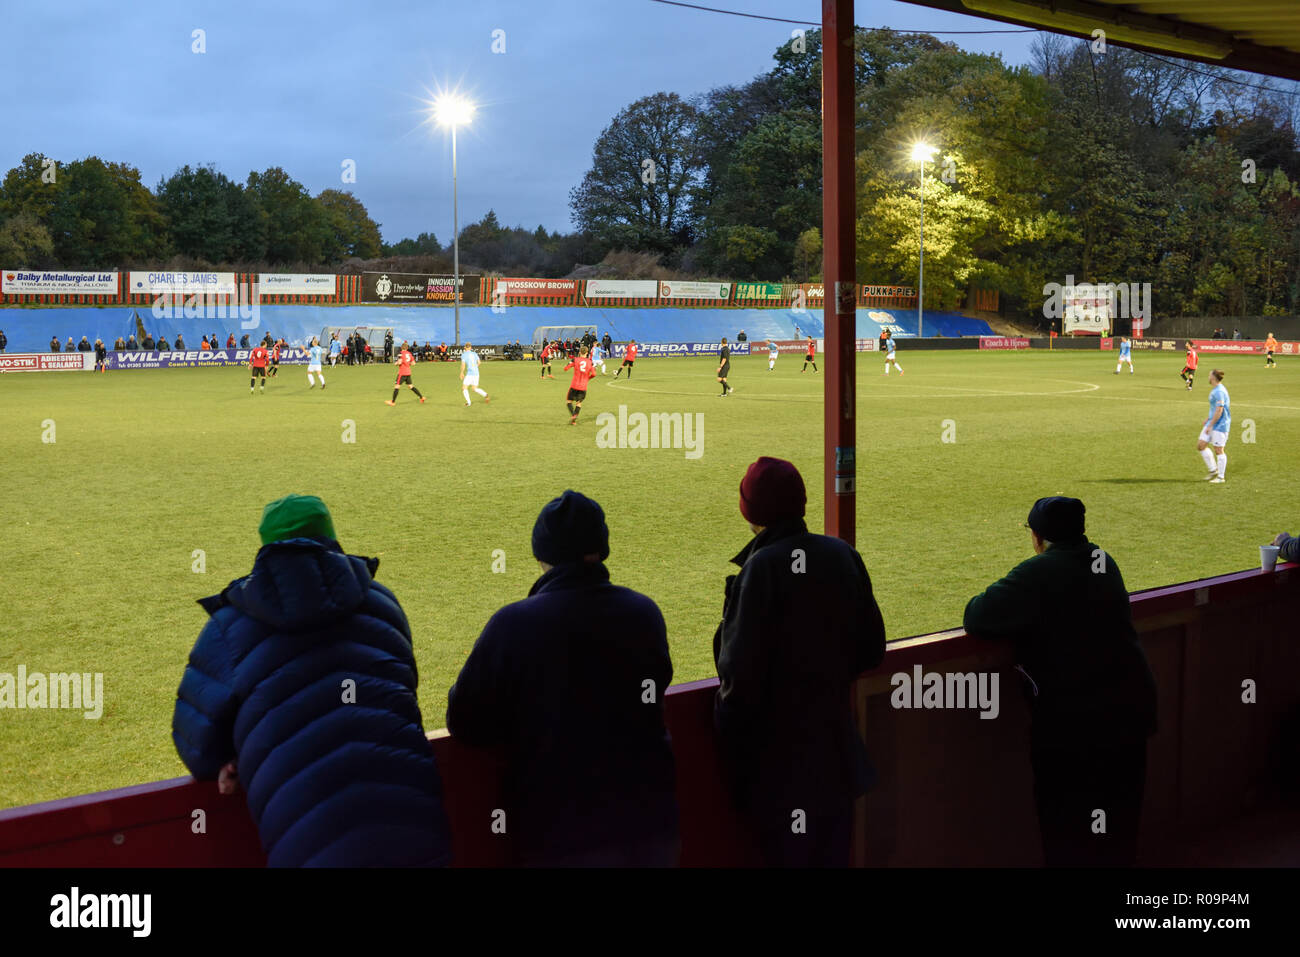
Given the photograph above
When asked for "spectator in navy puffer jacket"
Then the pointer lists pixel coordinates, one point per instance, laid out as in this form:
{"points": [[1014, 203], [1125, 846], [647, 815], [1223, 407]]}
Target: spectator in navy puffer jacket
{"points": [[303, 685], [568, 684]]}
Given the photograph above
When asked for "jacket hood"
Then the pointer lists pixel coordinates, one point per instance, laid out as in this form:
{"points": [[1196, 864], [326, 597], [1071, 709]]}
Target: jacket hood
{"points": [[571, 575], [302, 583]]}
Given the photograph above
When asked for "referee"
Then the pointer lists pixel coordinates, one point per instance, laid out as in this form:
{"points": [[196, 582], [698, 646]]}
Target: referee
{"points": [[724, 367]]}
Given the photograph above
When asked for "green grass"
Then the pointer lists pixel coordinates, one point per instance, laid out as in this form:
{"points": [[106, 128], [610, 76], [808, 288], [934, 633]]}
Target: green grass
{"points": [[100, 526]]}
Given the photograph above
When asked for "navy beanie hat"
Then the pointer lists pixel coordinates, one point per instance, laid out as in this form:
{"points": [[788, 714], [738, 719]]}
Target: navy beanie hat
{"points": [[569, 528]]}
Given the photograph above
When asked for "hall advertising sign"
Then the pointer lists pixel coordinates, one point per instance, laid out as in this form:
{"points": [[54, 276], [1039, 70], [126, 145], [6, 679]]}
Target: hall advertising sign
{"points": [[26, 282], [656, 349], [694, 290], [622, 288], [400, 287], [537, 288], [760, 290], [46, 361], [295, 284], [206, 357], [181, 283]]}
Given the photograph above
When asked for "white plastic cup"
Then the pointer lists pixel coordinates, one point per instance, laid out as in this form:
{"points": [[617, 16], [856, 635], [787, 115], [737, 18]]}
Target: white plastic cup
{"points": [[1268, 557]]}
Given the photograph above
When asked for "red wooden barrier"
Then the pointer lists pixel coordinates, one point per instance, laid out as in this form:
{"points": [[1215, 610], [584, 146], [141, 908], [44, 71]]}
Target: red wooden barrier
{"points": [[953, 789]]}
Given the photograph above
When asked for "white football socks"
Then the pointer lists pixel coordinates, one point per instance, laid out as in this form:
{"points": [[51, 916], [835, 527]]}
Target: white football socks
{"points": [[1208, 458], [1223, 463], [465, 393]]}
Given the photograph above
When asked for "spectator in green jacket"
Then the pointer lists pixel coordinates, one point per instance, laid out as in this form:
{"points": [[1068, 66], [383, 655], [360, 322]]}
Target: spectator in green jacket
{"points": [[1092, 697]]}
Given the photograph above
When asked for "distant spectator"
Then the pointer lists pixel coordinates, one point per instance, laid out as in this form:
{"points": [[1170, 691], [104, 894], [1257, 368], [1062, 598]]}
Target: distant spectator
{"points": [[607, 344], [180, 343], [1236, 333], [84, 345], [162, 345], [4, 341], [442, 352], [131, 343], [576, 712], [388, 346], [212, 341], [71, 346], [230, 341], [148, 342], [101, 355], [303, 686], [1289, 547], [54, 344], [799, 624], [741, 337], [203, 343], [119, 344], [1092, 697], [243, 341], [369, 353]]}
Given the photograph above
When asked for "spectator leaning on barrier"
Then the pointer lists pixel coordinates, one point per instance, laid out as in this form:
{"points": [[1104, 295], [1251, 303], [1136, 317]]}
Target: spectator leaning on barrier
{"points": [[162, 345], [1288, 547], [148, 343], [54, 344], [4, 341], [230, 341], [799, 624], [576, 709], [303, 685], [84, 345], [118, 344], [1092, 697], [131, 343], [71, 346], [243, 341], [741, 337]]}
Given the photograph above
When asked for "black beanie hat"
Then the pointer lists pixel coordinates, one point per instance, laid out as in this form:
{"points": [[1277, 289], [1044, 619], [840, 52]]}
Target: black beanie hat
{"points": [[1057, 519], [569, 528]]}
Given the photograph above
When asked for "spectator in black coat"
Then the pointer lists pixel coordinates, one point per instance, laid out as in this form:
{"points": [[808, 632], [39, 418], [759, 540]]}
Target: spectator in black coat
{"points": [[1091, 693], [1288, 547], [243, 341], [71, 346], [101, 354], [162, 345], [576, 709], [4, 341], [799, 624], [54, 344], [741, 337], [148, 343], [131, 343], [84, 345], [180, 342], [606, 344]]}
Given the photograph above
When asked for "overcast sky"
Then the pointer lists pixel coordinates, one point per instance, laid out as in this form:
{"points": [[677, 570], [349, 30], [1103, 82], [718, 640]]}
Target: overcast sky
{"points": [[307, 86]]}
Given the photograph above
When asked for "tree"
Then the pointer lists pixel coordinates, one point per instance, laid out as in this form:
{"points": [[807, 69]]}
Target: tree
{"points": [[201, 211], [426, 244], [353, 232], [297, 228], [25, 243], [103, 216], [808, 255], [646, 166]]}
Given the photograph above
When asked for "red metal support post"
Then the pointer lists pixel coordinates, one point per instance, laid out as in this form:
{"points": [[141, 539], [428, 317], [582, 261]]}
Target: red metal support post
{"points": [[839, 268]]}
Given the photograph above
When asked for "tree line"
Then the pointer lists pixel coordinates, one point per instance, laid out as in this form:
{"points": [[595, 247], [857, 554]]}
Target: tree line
{"points": [[1105, 165]]}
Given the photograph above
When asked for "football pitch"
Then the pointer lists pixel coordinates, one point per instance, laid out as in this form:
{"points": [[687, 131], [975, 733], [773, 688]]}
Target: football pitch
{"points": [[129, 495]]}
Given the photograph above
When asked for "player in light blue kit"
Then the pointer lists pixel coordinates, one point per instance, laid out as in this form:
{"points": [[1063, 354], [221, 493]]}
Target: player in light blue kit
{"points": [[598, 358], [1215, 431], [336, 350], [314, 355], [773, 350], [889, 357], [469, 374], [1125, 355]]}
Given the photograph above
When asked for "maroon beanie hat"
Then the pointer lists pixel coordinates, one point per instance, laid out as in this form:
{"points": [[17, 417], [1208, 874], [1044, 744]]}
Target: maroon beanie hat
{"points": [[772, 491]]}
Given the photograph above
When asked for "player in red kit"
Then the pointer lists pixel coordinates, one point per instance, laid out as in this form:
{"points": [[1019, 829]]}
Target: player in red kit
{"points": [[546, 360], [275, 358], [583, 368], [1189, 370], [629, 357], [257, 360], [404, 360]]}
